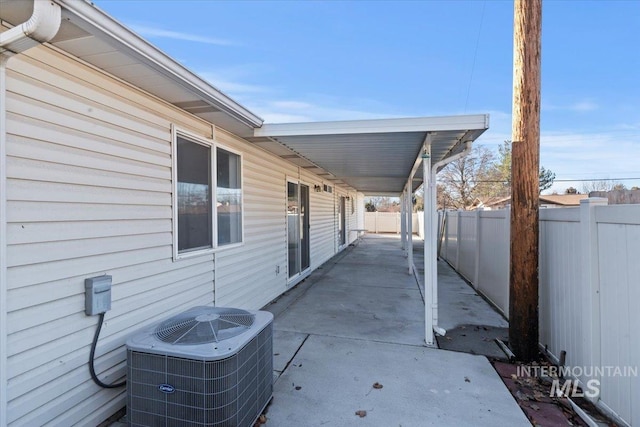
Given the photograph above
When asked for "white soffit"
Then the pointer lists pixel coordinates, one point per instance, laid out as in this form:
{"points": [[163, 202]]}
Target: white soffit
{"points": [[372, 156]]}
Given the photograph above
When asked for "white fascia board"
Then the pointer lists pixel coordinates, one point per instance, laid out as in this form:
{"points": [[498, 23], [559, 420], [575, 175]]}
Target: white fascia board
{"points": [[411, 124], [98, 23]]}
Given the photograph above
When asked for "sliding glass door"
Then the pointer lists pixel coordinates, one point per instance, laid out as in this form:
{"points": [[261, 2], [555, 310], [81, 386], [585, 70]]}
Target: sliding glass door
{"points": [[297, 228], [342, 221]]}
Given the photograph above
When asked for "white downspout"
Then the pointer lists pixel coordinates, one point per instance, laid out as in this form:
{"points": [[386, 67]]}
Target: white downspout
{"points": [[41, 27], [3, 243], [409, 209], [403, 222], [434, 230], [429, 300]]}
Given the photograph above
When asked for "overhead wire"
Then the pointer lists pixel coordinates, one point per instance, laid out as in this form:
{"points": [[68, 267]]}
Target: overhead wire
{"points": [[475, 55]]}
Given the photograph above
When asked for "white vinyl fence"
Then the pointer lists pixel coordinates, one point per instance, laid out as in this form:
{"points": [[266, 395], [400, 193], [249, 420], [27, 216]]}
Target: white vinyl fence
{"points": [[386, 222], [589, 286]]}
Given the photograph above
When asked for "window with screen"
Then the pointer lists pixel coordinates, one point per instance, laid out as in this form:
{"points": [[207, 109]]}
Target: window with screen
{"points": [[229, 197], [207, 196], [193, 195]]}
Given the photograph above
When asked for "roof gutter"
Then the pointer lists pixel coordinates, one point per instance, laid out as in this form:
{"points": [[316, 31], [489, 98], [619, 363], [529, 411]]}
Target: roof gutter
{"points": [[91, 18], [41, 27]]}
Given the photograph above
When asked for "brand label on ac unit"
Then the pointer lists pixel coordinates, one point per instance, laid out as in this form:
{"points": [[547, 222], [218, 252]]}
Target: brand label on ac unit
{"points": [[166, 388]]}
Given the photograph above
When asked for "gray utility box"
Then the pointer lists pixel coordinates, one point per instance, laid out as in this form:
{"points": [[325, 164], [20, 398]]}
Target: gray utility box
{"points": [[97, 295]]}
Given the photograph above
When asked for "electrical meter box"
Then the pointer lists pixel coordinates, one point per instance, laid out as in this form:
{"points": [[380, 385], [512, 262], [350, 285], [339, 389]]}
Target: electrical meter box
{"points": [[97, 295]]}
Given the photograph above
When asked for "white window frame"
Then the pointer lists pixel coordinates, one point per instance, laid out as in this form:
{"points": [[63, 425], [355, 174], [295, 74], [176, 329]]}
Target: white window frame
{"points": [[215, 191], [213, 146]]}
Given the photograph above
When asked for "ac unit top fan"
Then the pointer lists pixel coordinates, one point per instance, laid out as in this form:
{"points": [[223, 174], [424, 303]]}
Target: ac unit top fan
{"points": [[207, 333], [202, 325]]}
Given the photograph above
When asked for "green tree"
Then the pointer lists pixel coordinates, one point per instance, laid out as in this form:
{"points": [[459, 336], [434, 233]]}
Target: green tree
{"points": [[502, 173], [570, 190], [370, 206], [546, 179]]}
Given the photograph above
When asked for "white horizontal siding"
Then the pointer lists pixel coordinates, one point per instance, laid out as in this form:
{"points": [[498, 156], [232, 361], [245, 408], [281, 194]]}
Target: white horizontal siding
{"points": [[89, 192], [246, 276], [54, 231], [323, 227]]}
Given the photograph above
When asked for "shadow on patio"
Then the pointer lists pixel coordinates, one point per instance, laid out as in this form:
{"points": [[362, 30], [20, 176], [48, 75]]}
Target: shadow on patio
{"points": [[359, 321]]}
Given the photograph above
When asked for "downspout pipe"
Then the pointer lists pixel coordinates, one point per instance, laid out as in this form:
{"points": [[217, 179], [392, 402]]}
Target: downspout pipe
{"points": [[40, 28], [429, 301], [434, 230]]}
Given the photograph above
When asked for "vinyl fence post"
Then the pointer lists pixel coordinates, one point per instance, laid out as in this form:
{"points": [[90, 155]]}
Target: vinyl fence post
{"points": [[591, 278], [458, 239], [476, 275]]}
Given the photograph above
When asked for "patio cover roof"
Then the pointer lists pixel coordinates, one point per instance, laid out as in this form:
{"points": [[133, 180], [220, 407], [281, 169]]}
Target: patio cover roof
{"points": [[375, 157]]}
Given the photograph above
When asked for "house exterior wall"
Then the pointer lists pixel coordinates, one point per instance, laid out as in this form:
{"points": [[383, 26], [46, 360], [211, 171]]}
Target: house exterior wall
{"points": [[89, 192]]}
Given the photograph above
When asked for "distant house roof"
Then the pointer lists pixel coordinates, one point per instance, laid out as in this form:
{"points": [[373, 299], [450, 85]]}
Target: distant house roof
{"points": [[564, 200]]}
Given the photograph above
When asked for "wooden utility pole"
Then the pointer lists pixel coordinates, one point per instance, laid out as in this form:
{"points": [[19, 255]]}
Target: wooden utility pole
{"points": [[525, 160]]}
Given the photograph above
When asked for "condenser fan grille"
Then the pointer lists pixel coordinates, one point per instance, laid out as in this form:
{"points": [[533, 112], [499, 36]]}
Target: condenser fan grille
{"points": [[204, 325]]}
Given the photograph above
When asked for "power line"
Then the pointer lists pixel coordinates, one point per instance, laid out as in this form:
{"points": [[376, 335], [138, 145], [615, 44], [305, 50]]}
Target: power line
{"points": [[475, 54], [555, 180], [597, 179]]}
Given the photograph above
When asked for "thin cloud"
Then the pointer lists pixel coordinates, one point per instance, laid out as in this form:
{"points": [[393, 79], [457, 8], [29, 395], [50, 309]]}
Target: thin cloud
{"points": [[148, 31], [231, 86], [287, 110], [577, 153], [584, 106], [579, 107]]}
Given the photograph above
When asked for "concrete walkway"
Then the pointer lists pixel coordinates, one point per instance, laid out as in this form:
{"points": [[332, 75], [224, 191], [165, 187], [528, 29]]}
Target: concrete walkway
{"points": [[471, 324], [359, 321]]}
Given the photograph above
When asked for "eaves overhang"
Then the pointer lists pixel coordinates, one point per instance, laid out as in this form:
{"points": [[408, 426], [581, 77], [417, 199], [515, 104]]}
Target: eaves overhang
{"points": [[90, 34]]}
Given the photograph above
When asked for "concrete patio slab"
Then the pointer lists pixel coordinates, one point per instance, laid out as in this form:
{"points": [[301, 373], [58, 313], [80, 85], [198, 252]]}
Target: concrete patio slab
{"points": [[460, 303], [336, 309], [463, 304], [331, 378], [285, 346], [359, 274], [363, 319]]}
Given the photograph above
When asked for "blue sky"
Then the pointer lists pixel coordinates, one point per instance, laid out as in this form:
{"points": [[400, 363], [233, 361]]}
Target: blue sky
{"points": [[299, 61]]}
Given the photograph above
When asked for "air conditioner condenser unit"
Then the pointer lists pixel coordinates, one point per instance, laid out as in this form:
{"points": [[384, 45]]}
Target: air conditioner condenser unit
{"points": [[207, 366]]}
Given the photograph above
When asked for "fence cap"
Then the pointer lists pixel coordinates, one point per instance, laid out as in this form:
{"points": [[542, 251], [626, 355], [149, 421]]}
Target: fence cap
{"points": [[594, 201]]}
